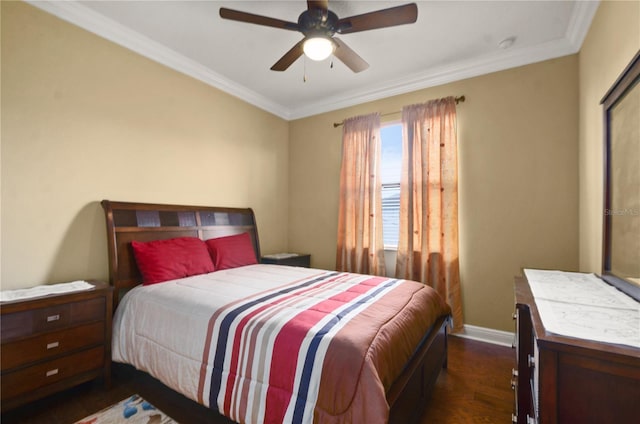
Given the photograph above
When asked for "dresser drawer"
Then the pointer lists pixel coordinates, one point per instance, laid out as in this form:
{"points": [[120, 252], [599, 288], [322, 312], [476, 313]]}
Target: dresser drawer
{"points": [[27, 323], [54, 342], [19, 382], [22, 352]]}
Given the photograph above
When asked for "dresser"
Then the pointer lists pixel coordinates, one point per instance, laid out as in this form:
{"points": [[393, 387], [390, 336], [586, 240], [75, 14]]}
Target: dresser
{"points": [[54, 342], [561, 379]]}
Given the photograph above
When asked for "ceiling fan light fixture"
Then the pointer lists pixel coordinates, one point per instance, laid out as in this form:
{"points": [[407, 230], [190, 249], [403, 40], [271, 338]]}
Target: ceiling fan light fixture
{"points": [[318, 48]]}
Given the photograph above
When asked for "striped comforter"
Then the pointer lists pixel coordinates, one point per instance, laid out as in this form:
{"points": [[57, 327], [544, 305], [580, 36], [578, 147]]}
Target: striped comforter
{"points": [[273, 344]]}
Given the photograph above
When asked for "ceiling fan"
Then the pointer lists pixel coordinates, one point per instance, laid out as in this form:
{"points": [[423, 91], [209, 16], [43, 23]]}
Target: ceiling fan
{"points": [[318, 25]]}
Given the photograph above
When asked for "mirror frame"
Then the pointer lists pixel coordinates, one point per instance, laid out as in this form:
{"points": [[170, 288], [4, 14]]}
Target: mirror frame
{"points": [[629, 79]]}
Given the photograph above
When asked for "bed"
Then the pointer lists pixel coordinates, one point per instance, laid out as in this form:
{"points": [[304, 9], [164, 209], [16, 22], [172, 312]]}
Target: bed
{"points": [[337, 347]]}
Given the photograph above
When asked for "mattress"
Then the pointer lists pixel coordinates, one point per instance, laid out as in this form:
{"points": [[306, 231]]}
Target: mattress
{"points": [[272, 343]]}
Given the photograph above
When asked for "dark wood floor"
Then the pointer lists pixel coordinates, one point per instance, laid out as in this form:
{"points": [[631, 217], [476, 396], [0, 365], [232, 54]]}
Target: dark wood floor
{"points": [[475, 388]]}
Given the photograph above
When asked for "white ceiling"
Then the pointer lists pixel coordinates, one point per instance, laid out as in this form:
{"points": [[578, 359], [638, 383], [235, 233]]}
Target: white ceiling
{"points": [[451, 40]]}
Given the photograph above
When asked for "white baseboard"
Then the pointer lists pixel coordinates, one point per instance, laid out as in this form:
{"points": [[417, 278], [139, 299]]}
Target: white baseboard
{"points": [[487, 335]]}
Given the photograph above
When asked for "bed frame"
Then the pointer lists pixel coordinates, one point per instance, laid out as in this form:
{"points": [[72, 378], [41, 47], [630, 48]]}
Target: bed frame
{"points": [[127, 221]]}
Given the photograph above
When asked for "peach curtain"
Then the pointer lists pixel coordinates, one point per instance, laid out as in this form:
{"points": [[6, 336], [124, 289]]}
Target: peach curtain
{"points": [[428, 239], [360, 244]]}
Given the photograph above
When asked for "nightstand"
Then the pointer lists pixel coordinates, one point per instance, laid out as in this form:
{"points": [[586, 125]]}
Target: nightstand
{"points": [[291, 259], [51, 343]]}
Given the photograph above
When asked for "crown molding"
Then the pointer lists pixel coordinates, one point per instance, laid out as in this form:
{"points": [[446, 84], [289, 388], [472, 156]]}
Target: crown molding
{"points": [[98, 24], [91, 21], [583, 13]]}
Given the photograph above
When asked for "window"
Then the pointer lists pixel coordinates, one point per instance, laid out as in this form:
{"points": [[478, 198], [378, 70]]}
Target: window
{"points": [[390, 167]]}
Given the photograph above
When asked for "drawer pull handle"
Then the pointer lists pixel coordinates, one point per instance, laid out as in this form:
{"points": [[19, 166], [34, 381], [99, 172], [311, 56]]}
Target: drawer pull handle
{"points": [[52, 318], [52, 345], [531, 361], [52, 372]]}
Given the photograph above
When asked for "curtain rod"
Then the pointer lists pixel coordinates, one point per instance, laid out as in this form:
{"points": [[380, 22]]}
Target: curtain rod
{"points": [[458, 100]]}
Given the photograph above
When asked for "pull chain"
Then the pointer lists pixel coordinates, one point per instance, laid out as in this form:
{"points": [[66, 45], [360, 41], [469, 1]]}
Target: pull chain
{"points": [[304, 75], [304, 72]]}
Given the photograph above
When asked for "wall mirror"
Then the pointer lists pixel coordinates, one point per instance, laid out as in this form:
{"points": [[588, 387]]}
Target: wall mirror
{"points": [[621, 226]]}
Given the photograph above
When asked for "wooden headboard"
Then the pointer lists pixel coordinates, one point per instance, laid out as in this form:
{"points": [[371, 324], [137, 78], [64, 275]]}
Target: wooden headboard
{"points": [[127, 221]]}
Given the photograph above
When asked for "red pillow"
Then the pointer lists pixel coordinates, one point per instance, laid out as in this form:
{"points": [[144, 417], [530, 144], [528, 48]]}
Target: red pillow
{"points": [[232, 251], [163, 260]]}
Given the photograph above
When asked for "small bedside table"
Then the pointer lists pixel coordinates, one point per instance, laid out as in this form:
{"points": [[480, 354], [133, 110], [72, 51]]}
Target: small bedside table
{"points": [[54, 342], [291, 259]]}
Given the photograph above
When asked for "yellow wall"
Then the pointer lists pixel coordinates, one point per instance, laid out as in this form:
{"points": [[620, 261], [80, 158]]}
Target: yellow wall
{"points": [[84, 119], [518, 170], [612, 41]]}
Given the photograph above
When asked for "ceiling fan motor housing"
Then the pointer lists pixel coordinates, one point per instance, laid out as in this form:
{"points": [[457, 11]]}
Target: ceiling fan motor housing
{"points": [[317, 22]]}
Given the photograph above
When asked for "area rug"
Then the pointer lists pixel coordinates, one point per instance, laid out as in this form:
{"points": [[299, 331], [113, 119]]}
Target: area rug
{"points": [[131, 410]]}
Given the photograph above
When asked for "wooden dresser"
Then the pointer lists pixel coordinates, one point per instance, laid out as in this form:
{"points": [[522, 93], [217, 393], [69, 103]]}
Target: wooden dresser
{"points": [[54, 342], [570, 380]]}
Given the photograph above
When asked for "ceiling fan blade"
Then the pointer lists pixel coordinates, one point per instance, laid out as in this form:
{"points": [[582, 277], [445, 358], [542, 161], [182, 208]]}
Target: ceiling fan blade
{"points": [[324, 5], [349, 57], [399, 15], [236, 15], [289, 57]]}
